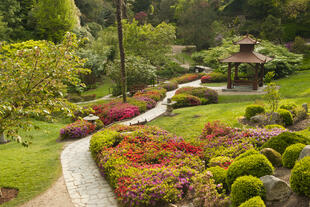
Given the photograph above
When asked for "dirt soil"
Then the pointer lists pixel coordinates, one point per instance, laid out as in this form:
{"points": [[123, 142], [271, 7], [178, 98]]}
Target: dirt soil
{"points": [[8, 194], [56, 196], [304, 124]]}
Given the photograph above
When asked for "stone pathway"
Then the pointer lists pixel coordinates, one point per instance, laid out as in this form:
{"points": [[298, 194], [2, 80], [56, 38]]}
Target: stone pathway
{"points": [[108, 97]]}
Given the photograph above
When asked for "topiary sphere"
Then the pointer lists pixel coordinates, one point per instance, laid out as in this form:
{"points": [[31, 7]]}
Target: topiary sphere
{"points": [[285, 139], [253, 110], [247, 153], [291, 154], [254, 202], [300, 177], [274, 126], [246, 187], [273, 156], [256, 165], [286, 117]]}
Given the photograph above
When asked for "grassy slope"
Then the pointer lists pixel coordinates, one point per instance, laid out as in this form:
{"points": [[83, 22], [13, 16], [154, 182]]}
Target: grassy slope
{"points": [[32, 170], [190, 121], [102, 89]]}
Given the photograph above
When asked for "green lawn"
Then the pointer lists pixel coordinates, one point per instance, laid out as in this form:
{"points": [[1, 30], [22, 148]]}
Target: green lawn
{"points": [[102, 90], [32, 170], [189, 122]]}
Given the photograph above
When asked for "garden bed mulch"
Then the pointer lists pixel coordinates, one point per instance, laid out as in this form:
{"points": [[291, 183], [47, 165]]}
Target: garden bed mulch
{"points": [[8, 194], [304, 124]]}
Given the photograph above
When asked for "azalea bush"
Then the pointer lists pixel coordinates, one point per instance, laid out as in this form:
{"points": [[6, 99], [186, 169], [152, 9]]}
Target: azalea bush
{"points": [[170, 86], [150, 103], [183, 100], [213, 77], [148, 166], [206, 95], [78, 129], [186, 78], [155, 93], [221, 140]]}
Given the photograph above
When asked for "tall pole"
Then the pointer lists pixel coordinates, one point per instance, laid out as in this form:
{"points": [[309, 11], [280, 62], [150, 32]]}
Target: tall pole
{"points": [[121, 48]]}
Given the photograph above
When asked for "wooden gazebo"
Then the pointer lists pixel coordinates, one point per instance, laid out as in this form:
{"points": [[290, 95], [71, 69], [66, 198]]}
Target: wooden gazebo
{"points": [[246, 55]]}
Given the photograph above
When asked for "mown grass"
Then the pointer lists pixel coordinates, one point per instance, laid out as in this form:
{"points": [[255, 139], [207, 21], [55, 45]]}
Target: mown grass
{"points": [[190, 121], [32, 170], [103, 88]]}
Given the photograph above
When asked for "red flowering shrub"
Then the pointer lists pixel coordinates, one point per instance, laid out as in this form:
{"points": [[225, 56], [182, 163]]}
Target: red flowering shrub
{"points": [[170, 86], [186, 78], [115, 111], [148, 166], [206, 79], [78, 129]]}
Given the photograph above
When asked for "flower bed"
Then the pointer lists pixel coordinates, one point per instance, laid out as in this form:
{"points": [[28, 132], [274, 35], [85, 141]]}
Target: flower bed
{"points": [[213, 77], [221, 140], [154, 93], [77, 129], [148, 166]]}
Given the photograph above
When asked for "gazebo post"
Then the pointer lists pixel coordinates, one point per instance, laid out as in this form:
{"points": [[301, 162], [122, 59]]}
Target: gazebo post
{"points": [[236, 72], [262, 71], [229, 76], [255, 82]]}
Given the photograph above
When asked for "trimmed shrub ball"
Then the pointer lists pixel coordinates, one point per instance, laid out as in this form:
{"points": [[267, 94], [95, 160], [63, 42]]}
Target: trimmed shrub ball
{"points": [[221, 161], [286, 117], [291, 155], [273, 156], [253, 110], [256, 165], [300, 177], [254, 202], [170, 86], [246, 187], [219, 175], [183, 100], [282, 141], [247, 153]]}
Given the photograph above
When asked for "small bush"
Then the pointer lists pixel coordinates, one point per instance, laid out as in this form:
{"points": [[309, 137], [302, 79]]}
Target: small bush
{"points": [[102, 139], [256, 165], [285, 139], [254, 202], [273, 156], [286, 117], [218, 77], [99, 124], [253, 110], [300, 177], [156, 94], [183, 100], [150, 103], [290, 106], [170, 86], [291, 154], [77, 129], [246, 187], [205, 79], [221, 161], [274, 126], [218, 175], [136, 102]]}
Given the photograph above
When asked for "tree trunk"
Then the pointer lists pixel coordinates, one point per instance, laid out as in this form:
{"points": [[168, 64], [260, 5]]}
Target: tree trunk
{"points": [[121, 48], [2, 139]]}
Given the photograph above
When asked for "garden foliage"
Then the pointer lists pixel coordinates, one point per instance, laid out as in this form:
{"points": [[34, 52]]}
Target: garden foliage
{"points": [[291, 154], [214, 77], [254, 202], [300, 177], [184, 100], [253, 110], [186, 78], [77, 129]]}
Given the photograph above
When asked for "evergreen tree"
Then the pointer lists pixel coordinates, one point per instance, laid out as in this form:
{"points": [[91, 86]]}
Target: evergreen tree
{"points": [[54, 18], [3, 29]]}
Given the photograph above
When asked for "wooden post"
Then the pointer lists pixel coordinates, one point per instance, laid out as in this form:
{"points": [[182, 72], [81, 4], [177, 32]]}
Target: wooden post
{"points": [[236, 72], [255, 81], [229, 76], [262, 73]]}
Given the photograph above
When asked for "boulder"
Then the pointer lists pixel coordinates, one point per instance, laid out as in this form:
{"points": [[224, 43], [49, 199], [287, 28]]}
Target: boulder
{"points": [[305, 152], [259, 119], [276, 189], [273, 156], [305, 106], [274, 118]]}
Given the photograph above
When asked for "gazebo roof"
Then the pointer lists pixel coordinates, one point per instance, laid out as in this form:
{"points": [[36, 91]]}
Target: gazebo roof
{"points": [[246, 41], [246, 57]]}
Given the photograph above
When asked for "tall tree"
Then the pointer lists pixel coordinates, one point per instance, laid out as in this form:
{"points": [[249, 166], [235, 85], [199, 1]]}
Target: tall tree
{"points": [[3, 29], [54, 18], [121, 47]]}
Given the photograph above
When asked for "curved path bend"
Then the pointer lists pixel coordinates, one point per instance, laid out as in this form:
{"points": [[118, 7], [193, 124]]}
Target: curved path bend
{"points": [[86, 187]]}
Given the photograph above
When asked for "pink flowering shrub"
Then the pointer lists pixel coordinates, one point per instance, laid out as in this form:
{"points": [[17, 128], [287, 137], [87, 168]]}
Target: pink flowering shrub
{"points": [[186, 78], [206, 95], [183, 100], [205, 79], [78, 129], [150, 103], [156, 94]]}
